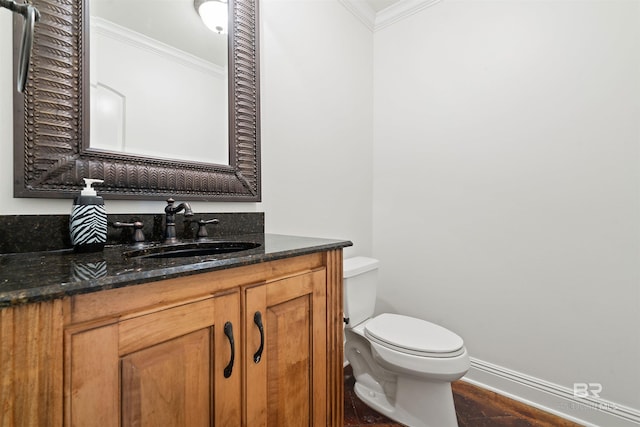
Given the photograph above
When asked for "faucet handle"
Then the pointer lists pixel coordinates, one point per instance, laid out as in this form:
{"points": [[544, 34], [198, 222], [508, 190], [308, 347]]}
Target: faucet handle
{"points": [[138, 234], [202, 227], [170, 209]]}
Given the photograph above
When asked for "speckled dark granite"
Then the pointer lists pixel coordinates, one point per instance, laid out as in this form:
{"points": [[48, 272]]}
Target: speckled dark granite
{"points": [[33, 233], [38, 276]]}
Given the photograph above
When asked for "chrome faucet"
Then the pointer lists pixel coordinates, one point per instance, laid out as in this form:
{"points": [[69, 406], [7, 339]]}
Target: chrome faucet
{"points": [[170, 221]]}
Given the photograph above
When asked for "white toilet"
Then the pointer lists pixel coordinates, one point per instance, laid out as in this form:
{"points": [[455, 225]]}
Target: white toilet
{"points": [[403, 366]]}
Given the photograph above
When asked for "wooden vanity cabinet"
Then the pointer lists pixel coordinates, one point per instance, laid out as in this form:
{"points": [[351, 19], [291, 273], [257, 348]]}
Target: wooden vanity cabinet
{"points": [[259, 345]]}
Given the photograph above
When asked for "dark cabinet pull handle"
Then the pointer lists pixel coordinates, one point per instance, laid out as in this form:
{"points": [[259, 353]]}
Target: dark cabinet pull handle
{"points": [[257, 319], [228, 331]]}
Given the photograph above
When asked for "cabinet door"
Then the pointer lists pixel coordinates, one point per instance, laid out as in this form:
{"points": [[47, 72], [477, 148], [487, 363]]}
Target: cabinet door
{"points": [[171, 367], [285, 358], [166, 384]]}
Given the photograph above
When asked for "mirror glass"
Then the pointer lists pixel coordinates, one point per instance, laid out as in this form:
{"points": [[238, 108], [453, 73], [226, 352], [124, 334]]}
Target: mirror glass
{"points": [[158, 81]]}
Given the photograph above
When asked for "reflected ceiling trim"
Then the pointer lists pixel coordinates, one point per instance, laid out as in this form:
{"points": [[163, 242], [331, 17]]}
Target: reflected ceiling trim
{"points": [[387, 16], [361, 10]]}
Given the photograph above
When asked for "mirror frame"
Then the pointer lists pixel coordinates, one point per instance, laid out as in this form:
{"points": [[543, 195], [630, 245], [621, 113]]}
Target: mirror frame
{"points": [[51, 120]]}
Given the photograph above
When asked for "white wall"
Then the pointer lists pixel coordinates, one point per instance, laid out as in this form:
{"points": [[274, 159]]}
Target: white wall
{"points": [[317, 127], [506, 183], [316, 97]]}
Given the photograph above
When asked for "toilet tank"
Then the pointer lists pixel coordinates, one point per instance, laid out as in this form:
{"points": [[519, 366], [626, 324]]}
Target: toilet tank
{"points": [[360, 285]]}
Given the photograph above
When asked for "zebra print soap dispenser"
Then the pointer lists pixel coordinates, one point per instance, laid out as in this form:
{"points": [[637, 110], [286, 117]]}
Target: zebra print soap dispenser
{"points": [[88, 220]]}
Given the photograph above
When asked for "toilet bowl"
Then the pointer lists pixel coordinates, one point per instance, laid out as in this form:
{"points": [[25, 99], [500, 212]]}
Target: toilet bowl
{"points": [[403, 366]]}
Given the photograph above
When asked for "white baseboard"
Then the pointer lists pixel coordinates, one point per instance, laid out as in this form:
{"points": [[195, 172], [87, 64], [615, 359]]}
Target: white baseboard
{"points": [[552, 398]]}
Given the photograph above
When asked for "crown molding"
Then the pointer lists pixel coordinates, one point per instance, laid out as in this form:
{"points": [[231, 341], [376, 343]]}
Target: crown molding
{"points": [[144, 43], [399, 11], [387, 16], [361, 10]]}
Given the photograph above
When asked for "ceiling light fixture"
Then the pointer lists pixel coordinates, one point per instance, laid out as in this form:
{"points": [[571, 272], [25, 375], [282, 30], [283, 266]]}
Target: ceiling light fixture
{"points": [[214, 14]]}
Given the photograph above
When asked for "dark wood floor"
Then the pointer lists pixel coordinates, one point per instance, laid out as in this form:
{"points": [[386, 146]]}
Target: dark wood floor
{"points": [[475, 407]]}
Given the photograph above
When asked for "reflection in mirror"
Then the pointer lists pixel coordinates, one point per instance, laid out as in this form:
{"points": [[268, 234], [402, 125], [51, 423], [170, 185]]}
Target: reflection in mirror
{"points": [[159, 81]]}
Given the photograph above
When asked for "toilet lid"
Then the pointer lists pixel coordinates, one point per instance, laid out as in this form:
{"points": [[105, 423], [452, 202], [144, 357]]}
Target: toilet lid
{"points": [[415, 336]]}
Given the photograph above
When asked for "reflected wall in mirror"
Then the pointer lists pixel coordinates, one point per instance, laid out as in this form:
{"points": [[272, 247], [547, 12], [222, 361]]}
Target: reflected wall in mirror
{"points": [[157, 75], [53, 151]]}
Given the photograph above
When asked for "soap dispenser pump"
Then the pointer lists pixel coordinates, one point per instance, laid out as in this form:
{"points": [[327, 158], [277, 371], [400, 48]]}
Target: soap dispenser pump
{"points": [[88, 220]]}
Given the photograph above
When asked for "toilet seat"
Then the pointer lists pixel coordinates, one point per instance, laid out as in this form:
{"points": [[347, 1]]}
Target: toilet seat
{"points": [[413, 336]]}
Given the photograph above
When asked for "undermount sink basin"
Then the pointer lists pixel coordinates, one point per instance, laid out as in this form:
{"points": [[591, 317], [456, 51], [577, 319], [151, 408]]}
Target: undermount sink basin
{"points": [[183, 250]]}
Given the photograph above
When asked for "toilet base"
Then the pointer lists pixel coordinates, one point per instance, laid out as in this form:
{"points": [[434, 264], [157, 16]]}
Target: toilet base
{"points": [[417, 404], [413, 398]]}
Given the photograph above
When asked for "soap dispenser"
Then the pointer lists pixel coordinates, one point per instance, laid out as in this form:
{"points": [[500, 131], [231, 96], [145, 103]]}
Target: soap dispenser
{"points": [[88, 220]]}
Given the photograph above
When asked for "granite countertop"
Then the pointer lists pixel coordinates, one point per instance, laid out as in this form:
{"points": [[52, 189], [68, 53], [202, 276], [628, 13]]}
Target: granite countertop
{"points": [[40, 276]]}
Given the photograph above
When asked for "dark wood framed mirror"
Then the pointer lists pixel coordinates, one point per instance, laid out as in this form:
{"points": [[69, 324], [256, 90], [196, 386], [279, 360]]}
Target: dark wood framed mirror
{"points": [[51, 120]]}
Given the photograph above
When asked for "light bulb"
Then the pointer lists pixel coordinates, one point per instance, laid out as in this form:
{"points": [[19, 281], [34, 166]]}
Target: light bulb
{"points": [[214, 15]]}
